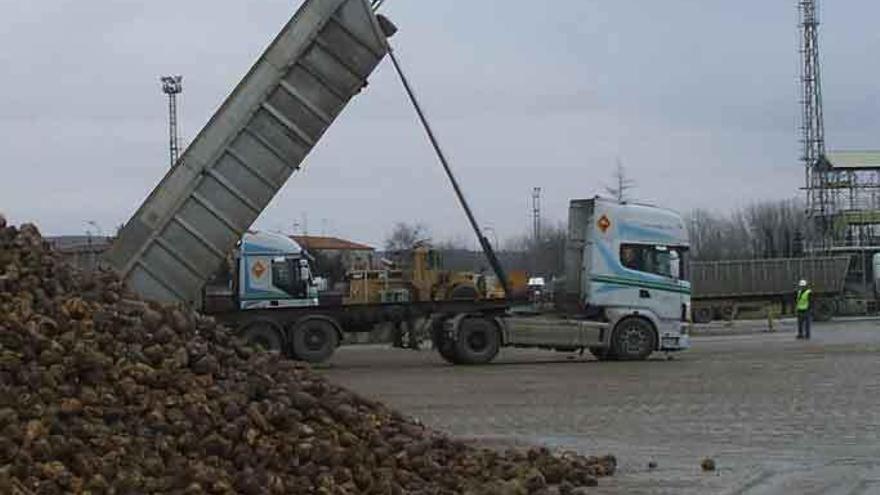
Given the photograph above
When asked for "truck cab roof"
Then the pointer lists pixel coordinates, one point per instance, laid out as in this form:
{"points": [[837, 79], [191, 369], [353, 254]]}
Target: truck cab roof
{"points": [[269, 244], [634, 222]]}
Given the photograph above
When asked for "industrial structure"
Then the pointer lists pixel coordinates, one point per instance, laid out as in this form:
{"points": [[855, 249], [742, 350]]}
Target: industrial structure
{"points": [[842, 188], [172, 86]]}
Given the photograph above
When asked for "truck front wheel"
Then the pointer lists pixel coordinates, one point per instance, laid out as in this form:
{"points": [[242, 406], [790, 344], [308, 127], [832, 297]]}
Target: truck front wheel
{"points": [[634, 339], [314, 340], [478, 341]]}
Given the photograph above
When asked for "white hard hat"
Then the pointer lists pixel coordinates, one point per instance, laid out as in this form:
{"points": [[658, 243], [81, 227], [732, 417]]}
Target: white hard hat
{"points": [[802, 283]]}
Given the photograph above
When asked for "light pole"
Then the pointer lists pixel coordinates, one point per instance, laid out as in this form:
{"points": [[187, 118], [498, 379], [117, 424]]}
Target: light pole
{"points": [[172, 86]]}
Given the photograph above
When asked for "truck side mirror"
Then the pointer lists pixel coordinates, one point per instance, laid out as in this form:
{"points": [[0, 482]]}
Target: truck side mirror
{"points": [[675, 265]]}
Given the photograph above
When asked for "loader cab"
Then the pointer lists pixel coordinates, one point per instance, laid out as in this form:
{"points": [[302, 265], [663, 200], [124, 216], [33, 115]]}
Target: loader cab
{"points": [[274, 272]]}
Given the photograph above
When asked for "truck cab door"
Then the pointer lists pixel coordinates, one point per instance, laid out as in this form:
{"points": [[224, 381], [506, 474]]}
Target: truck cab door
{"points": [[656, 288]]}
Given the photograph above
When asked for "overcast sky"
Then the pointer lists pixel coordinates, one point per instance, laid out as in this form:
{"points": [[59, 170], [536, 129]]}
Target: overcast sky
{"points": [[698, 98]]}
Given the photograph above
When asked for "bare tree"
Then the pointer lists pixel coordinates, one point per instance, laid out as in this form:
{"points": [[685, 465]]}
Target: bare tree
{"points": [[622, 184], [404, 236], [544, 256], [769, 229]]}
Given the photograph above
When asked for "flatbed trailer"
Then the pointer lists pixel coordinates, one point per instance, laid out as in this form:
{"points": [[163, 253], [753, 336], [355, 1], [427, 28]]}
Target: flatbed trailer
{"points": [[312, 333]]}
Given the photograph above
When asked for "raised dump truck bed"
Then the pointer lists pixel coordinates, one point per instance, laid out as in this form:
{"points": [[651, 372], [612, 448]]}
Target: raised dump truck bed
{"points": [[258, 138]]}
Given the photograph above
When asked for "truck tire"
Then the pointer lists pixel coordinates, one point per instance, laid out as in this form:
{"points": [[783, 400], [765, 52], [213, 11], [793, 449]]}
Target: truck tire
{"points": [[634, 339], [314, 340], [703, 314], [478, 341], [265, 335], [447, 350], [824, 309], [728, 312], [444, 345]]}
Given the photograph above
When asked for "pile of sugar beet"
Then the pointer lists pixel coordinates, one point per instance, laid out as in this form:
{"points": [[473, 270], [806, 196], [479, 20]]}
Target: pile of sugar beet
{"points": [[102, 393]]}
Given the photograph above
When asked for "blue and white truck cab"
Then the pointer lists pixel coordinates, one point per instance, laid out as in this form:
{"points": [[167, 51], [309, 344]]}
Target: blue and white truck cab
{"points": [[273, 271], [624, 293]]}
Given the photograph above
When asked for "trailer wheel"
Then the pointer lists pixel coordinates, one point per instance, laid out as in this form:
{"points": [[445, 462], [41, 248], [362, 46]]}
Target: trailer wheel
{"points": [[478, 341], [703, 314], [728, 312], [633, 339], [314, 340], [265, 335], [444, 345], [447, 350], [824, 309]]}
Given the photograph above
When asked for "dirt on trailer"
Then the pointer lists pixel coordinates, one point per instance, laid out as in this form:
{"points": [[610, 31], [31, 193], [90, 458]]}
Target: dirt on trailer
{"points": [[103, 393]]}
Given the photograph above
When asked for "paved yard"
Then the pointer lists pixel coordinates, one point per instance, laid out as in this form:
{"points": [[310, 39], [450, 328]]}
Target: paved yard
{"points": [[778, 415]]}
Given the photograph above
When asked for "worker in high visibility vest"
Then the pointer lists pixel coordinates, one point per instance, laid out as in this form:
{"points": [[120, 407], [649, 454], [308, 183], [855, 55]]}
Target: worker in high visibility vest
{"points": [[803, 308]]}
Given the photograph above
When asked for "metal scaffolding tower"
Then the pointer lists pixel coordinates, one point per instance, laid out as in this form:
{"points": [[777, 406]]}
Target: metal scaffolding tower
{"points": [[172, 86], [842, 187], [813, 127]]}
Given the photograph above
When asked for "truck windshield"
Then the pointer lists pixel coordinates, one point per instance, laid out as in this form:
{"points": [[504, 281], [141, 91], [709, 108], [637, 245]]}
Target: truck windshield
{"points": [[668, 261], [286, 275]]}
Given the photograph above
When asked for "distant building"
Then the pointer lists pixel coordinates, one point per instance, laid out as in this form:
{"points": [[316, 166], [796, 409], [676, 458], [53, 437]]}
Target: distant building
{"points": [[351, 254]]}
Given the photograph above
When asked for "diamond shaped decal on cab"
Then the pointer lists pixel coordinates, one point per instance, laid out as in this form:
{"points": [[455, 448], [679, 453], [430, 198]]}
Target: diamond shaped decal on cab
{"points": [[604, 223], [258, 269]]}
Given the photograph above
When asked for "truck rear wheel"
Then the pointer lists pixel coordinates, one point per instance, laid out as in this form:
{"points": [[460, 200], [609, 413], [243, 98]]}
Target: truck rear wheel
{"points": [[478, 341], [633, 340], [314, 340], [265, 335]]}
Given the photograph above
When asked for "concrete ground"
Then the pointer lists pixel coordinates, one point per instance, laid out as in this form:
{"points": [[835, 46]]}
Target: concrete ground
{"points": [[777, 415]]}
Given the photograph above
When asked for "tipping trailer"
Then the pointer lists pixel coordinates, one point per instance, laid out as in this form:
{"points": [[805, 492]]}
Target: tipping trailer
{"points": [[721, 287], [257, 139], [194, 223], [189, 242]]}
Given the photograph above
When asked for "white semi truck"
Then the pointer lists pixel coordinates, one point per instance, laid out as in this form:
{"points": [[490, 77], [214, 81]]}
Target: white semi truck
{"points": [[624, 294]]}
